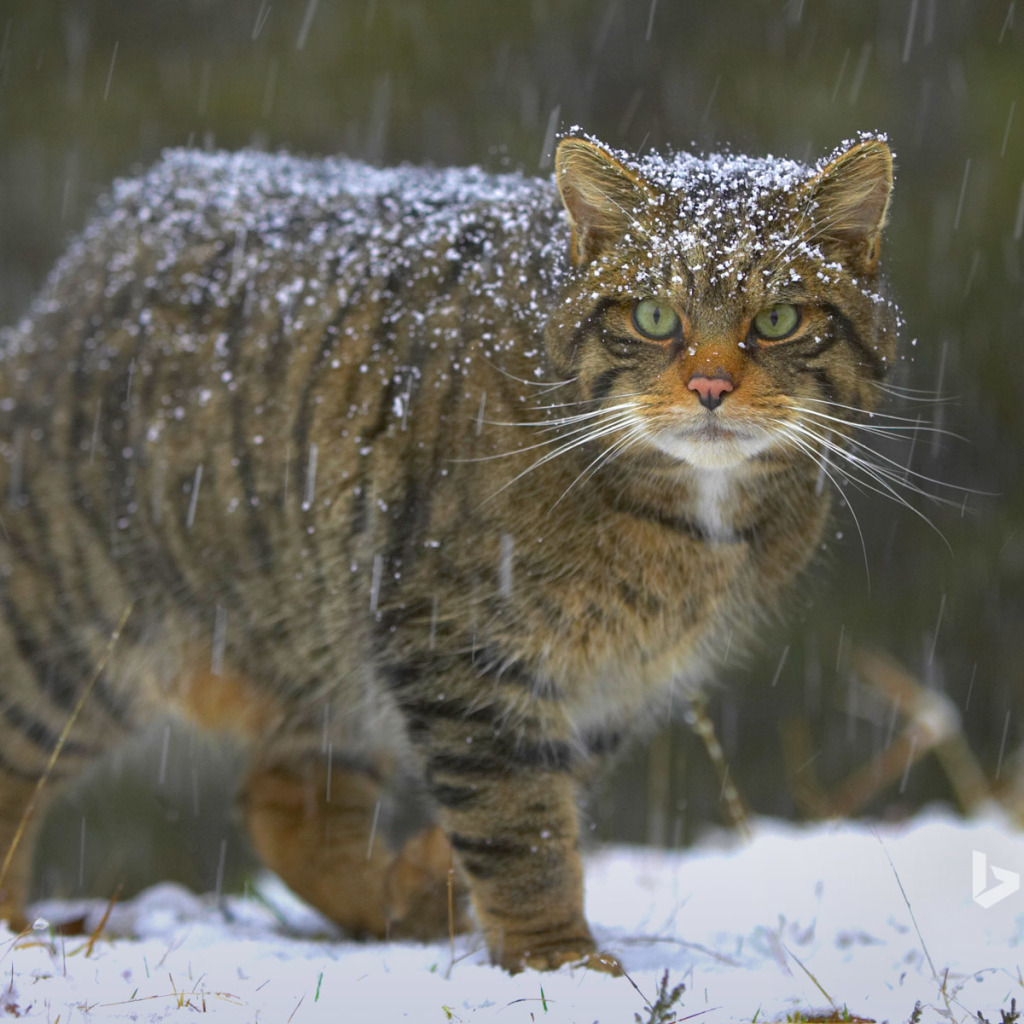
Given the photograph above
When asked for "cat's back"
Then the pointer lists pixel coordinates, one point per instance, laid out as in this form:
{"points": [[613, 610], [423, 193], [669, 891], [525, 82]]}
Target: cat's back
{"points": [[224, 320], [221, 273], [206, 230]]}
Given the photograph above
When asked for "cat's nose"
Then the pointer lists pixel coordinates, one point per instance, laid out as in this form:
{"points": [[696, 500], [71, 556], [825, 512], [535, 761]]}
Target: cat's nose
{"points": [[711, 390]]}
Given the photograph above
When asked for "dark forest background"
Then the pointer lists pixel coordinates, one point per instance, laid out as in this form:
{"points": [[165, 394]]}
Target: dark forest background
{"points": [[90, 90]]}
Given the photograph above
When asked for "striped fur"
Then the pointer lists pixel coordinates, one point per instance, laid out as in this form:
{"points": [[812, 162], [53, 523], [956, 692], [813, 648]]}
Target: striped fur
{"points": [[387, 476]]}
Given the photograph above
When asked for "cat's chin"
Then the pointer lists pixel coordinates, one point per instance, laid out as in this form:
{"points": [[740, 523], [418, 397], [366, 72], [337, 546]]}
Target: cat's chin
{"points": [[718, 449]]}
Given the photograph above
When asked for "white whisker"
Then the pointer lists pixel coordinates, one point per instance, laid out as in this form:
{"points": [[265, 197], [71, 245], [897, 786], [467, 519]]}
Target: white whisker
{"points": [[551, 424], [616, 447], [925, 395], [580, 436], [896, 431], [579, 430], [822, 462], [879, 479], [546, 384], [915, 421], [901, 471]]}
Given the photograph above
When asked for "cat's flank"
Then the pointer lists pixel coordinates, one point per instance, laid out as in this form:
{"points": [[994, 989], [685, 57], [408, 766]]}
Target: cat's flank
{"points": [[421, 471]]}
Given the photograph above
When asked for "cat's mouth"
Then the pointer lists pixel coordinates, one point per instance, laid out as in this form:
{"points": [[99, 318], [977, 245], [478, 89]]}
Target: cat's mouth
{"points": [[709, 443]]}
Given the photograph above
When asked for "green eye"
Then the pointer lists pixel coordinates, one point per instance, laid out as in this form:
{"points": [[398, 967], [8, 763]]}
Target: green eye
{"points": [[776, 322], [655, 320]]}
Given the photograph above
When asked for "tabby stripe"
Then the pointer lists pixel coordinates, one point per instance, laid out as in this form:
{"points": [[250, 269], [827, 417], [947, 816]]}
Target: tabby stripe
{"points": [[602, 744], [259, 540], [37, 654], [453, 710], [507, 671], [489, 847], [8, 767], [585, 328], [853, 338], [41, 735], [404, 675], [470, 246], [819, 348], [481, 868], [454, 797], [503, 755], [310, 388], [156, 558], [80, 428], [364, 474], [687, 527], [114, 426], [560, 927], [361, 510], [409, 517], [488, 858], [601, 387], [825, 379], [132, 630]]}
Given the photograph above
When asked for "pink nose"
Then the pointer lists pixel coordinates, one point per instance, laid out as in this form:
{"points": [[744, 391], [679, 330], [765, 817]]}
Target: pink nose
{"points": [[710, 390]]}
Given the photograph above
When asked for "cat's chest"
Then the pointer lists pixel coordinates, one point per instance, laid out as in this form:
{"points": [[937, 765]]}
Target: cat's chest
{"points": [[713, 500], [645, 593]]}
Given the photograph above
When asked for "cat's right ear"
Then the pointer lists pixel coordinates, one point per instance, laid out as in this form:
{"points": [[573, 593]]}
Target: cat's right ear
{"points": [[600, 196], [848, 201]]}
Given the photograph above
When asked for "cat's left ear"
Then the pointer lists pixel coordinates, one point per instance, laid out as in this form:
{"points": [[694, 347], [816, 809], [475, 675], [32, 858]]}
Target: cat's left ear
{"points": [[848, 200], [600, 196]]}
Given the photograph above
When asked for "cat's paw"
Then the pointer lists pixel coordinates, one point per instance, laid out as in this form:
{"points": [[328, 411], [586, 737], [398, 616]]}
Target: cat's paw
{"points": [[551, 961], [419, 905], [580, 952]]}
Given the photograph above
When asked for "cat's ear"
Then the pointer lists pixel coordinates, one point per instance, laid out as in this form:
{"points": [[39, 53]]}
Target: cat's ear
{"points": [[849, 200], [600, 196]]}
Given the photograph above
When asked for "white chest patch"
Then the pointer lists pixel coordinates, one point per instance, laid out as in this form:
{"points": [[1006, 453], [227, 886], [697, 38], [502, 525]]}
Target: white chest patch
{"points": [[713, 493]]}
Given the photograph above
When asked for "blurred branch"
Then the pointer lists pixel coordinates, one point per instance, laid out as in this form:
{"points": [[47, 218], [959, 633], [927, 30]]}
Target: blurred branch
{"points": [[698, 720], [932, 725]]}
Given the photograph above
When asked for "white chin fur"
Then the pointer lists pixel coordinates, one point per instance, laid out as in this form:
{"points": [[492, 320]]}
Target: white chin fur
{"points": [[719, 452]]}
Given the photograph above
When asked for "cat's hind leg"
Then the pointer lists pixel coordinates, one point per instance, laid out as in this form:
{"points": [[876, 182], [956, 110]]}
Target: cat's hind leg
{"points": [[315, 822]]}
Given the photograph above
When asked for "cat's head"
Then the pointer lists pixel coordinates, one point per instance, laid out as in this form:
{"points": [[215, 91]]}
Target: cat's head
{"points": [[724, 307]]}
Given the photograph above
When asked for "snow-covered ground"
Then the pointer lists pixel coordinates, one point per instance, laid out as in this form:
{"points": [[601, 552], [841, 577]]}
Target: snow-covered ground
{"points": [[798, 921]]}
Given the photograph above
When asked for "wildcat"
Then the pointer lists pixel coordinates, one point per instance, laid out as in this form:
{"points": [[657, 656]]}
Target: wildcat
{"points": [[421, 470]]}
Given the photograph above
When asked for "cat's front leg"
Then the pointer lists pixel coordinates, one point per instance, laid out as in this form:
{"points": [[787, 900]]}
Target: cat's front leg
{"points": [[507, 802]]}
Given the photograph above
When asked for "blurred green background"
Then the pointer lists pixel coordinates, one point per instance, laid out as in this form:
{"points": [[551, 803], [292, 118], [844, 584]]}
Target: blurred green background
{"points": [[90, 90]]}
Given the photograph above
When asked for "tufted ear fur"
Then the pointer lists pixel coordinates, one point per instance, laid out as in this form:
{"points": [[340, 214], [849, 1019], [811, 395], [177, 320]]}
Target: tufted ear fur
{"points": [[600, 196], [848, 200]]}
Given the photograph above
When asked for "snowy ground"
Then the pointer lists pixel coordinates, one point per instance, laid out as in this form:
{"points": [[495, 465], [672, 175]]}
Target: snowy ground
{"points": [[801, 920]]}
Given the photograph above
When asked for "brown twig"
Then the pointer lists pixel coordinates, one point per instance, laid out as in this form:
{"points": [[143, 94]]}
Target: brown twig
{"points": [[103, 920], [699, 721]]}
